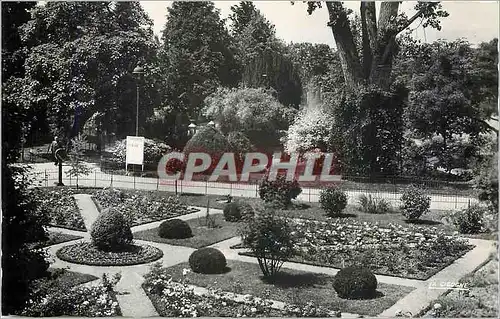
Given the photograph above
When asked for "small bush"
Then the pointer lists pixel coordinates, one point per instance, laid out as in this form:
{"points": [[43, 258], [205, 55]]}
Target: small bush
{"points": [[414, 203], [111, 231], [355, 283], [470, 220], [333, 201], [373, 205], [237, 211], [279, 191], [269, 238], [207, 261], [232, 212], [174, 229]]}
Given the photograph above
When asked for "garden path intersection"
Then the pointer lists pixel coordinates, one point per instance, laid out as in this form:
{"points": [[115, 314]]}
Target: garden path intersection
{"points": [[134, 302]]}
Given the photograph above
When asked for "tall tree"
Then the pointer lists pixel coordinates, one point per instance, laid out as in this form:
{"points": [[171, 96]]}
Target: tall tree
{"points": [[78, 53], [264, 59], [195, 57], [378, 37]]}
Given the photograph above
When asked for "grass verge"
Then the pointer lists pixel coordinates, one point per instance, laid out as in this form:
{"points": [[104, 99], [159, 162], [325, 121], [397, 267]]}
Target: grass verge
{"points": [[292, 286]]}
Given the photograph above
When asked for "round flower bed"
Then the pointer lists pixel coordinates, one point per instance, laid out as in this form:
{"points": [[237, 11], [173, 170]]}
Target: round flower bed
{"points": [[88, 254]]}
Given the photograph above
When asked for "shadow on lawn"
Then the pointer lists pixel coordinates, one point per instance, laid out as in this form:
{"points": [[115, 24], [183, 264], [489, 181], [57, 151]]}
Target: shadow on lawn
{"points": [[423, 222], [287, 280]]}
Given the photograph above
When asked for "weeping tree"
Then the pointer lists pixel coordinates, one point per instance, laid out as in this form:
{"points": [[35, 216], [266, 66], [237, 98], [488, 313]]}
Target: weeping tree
{"points": [[378, 38]]}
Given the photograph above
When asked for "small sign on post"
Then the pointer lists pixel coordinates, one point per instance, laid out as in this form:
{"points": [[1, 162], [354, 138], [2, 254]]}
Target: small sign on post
{"points": [[135, 151]]}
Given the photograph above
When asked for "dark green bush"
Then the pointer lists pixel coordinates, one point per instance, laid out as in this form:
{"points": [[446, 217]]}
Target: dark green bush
{"points": [[237, 211], [470, 220], [279, 191], [414, 203], [355, 283], [110, 231], [207, 261], [373, 205], [174, 229], [232, 212], [333, 200]]}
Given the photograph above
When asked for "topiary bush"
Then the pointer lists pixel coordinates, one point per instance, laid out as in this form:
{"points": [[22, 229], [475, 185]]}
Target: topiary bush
{"points": [[470, 220], [174, 229], [355, 283], [333, 200], [111, 231], [279, 191], [207, 261], [414, 203]]}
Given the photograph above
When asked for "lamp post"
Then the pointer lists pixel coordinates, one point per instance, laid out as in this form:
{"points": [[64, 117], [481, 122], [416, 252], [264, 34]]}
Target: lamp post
{"points": [[191, 129], [138, 71]]}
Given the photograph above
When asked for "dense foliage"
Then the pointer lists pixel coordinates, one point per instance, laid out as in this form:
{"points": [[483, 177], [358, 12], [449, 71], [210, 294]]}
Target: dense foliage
{"points": [[174, 228], [333, 200], [470, 220], [270, 239], [414, 203], [355, 283], [110, 231], [252, 111], [279, 191], [207, 260]]}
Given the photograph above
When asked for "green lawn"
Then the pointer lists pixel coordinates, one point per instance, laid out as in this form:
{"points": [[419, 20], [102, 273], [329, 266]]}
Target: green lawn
{"points": [[202, 235], [294, 287]]}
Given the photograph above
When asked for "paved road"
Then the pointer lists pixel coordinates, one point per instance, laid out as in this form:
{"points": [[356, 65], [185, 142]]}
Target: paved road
{"points": [[48, 175]]}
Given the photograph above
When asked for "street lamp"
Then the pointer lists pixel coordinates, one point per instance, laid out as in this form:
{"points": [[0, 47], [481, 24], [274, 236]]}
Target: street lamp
{"points": [[191, 129], [138, 71]]}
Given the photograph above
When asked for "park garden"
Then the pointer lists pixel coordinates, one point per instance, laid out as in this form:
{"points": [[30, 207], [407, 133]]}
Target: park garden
{"points": [[403, 117]]}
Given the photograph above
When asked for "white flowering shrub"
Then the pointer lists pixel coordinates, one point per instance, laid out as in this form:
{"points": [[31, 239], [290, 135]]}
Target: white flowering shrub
{"points": [[311, 129]]}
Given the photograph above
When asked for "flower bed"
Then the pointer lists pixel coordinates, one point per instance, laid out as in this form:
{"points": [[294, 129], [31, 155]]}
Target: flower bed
{"points": [[292, 287], [60, 296], [61, 207], [58, 238], [178, 299], [141, 207], [410, 252], [88, 254]]}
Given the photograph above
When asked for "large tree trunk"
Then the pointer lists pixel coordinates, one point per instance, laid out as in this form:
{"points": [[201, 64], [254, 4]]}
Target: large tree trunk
{"points": [[344, 39]]}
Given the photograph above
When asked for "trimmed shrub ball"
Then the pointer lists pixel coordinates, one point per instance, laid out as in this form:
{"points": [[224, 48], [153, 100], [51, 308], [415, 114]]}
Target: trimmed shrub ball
{"points": [[110, 231], [174, 229], [355, 283], [207, 261]]}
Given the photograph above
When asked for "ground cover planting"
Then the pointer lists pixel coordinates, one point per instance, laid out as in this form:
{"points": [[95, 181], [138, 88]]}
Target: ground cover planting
{"points": [[60, 206], [290, 286], [140, 207], [59, 294], [178, 299], [410, 252], [88, 254], [203, 235]]}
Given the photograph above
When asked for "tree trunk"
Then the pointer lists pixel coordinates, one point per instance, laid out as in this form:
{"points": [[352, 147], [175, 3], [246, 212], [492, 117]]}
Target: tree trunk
{"points": [[349, 59]]}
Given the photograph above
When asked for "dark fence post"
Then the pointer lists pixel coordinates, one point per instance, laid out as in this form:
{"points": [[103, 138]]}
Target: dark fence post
{"points": [[157, 182], [95, 178], [46, 179], [111, 180]]}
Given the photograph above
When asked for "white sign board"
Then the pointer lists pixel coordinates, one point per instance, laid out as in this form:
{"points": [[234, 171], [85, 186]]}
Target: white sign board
{"points": [[135, 150]]}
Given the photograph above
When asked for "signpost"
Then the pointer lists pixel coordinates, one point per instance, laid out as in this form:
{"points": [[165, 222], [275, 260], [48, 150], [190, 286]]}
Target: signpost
{"points": [[135, 151]]}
